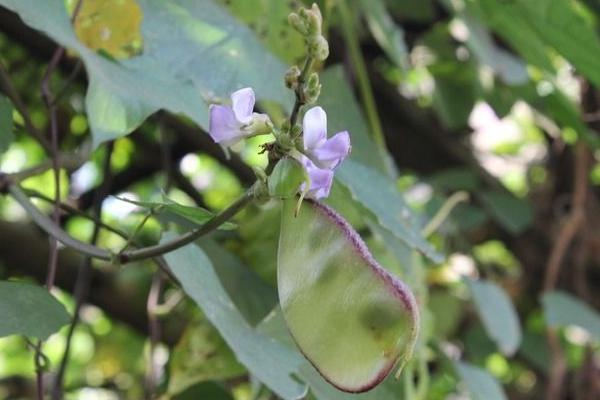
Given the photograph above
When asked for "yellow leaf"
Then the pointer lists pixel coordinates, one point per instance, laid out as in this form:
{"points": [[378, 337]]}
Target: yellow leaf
{"points": [[112, 26]]}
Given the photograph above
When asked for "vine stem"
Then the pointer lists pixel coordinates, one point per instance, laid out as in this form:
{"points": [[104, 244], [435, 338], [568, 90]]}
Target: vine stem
{"points": [[308, 63], [364, 85], [143, 253]]}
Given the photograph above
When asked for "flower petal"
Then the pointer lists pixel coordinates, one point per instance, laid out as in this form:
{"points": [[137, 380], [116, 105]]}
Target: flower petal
{"points": [[333, 151], [320, 180], [243, 104], [223, 127], [314, 127]]}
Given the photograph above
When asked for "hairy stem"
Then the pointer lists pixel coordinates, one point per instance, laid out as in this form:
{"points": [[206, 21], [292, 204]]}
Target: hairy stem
{"points": [[308, 63]]}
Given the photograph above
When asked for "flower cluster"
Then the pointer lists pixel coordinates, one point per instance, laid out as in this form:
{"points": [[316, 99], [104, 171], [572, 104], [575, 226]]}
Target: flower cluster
{"points": [[318, 154]]}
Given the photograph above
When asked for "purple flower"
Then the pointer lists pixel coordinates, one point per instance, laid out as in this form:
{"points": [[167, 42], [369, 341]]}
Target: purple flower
{"points": [[230, 124], [320, 180], [323, 152]]}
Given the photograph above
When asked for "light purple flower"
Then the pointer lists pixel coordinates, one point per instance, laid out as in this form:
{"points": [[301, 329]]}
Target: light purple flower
{"points": [[230, 124], [321, 180], [323, 152]]}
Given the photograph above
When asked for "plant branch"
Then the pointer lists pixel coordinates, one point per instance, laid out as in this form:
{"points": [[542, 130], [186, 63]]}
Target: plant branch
{"points": [[308, 63], [82, 283], [564, 238], [8, 88], [132, 255], [364, 85]]}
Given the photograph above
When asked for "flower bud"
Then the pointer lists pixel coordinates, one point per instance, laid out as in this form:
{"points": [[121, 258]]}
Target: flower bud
{"points": [[298, 23], [318, 47], [314, 20], [291, 77], [312, 89]]}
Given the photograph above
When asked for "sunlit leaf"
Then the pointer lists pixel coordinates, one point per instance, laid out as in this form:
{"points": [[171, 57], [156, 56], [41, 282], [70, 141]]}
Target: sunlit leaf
{"points": [[29, 310], [268, 20], [351, 318]]}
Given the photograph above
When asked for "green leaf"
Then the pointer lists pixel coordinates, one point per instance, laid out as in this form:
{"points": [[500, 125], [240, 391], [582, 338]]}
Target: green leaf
{"points": [[29, 310], [560, 25], [198, 216], [509, 22], [497, 314], [271, 363], [253, 297], [193, 52], [201, 355], [532, 26], [510, 69], [562, 309], [286, 178], [6, 124], [512, 213], [481, 385], [386, 32], [268, 20], [344, 114], [351, 318], [377, 194]]}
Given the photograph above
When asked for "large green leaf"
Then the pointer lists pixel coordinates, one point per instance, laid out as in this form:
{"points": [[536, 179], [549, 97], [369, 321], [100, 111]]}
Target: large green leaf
{"points": [[253, 297], [481, 385], [533, 26], [29, 310], [562, 309], [193, 52], [344, 114], [386, 32], [498, 314], [268, 19], [379, 195], [271, 363], [351, 318], [6, 124]]}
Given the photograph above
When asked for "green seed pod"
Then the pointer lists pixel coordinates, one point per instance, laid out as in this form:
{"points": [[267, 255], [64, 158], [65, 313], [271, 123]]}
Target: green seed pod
{"points": [[351, 319]]}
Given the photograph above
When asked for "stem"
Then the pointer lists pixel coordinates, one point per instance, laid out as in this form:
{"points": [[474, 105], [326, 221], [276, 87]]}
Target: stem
{"points": [[154, 329], [364, 85], [132, 255], [189, 237], [8, 88], [136, 231], [308, 63], [82, 283], [445, 210]]}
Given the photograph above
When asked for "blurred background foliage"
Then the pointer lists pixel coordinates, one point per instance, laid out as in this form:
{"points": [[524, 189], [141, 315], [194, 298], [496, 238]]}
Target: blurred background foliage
{"points": [[495, 99]]}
